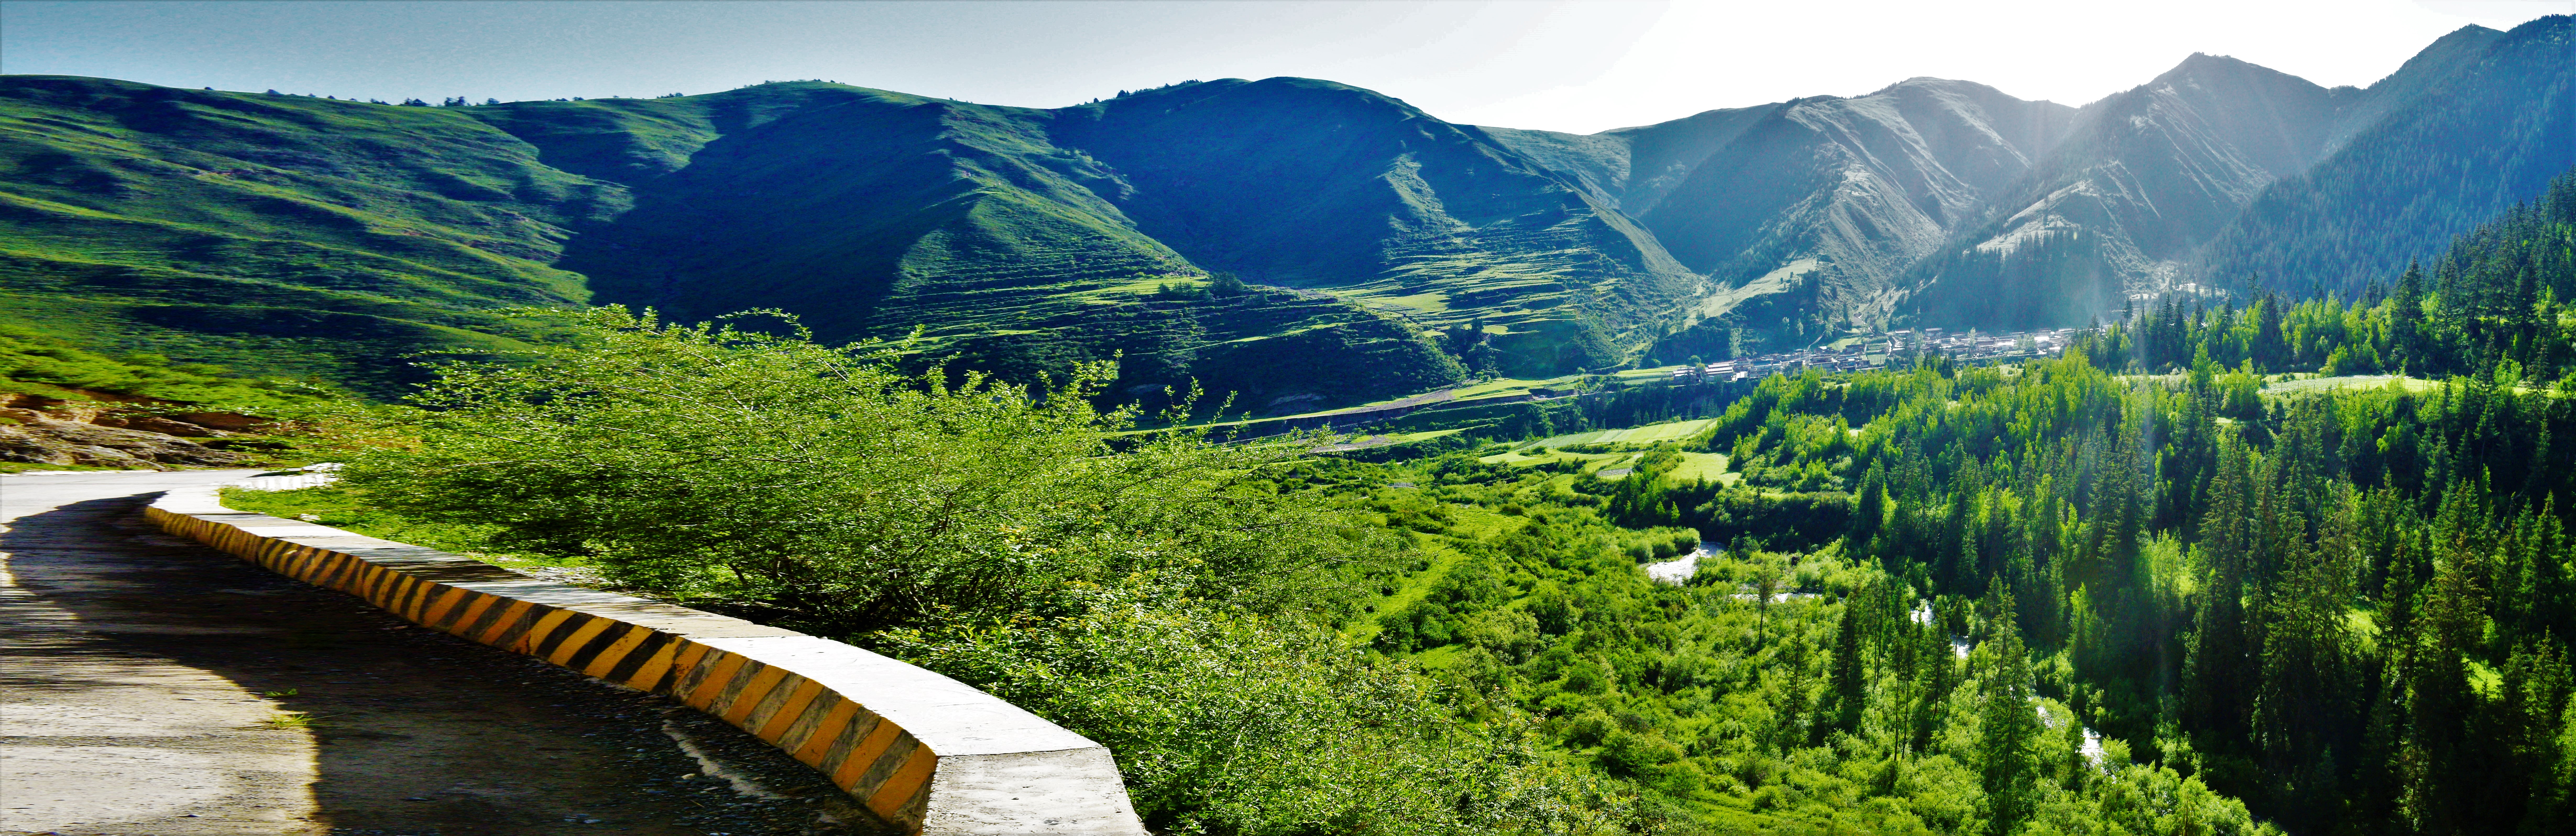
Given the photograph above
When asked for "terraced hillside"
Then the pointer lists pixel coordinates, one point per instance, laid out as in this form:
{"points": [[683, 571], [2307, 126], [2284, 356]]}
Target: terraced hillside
{"points": [[1311, 184]]}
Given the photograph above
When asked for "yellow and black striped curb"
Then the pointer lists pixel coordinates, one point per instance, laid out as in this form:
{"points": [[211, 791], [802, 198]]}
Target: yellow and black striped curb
{"points": [[925, 752]]}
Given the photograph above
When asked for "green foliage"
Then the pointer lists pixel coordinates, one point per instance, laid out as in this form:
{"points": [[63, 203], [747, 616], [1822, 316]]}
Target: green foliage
{"points": [[1774, 693], [2493, 305], [32, 363], [1226, 722], [2345, 606], [823, 485]]}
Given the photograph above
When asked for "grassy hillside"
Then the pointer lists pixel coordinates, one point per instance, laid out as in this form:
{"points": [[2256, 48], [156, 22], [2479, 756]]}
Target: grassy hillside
{"points": [[275, 234], [33, 364], [872, 213], [1311, 184], [285, 234]]}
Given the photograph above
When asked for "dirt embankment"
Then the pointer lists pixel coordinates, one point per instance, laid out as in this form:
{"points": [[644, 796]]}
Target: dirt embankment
{"points": [[100, 433]]}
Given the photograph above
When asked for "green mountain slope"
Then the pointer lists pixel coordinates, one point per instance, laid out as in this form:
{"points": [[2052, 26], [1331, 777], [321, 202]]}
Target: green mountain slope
{"points": [[866, 212], [1311, 184], [273, 234], [1380, 251], [283, 234]]}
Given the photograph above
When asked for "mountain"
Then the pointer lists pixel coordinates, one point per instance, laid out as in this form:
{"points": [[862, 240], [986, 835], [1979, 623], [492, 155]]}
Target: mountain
{"points": [[1034, 235], [2220, 175], [2147, 177], [274, 234], [1952, 203], [2480, 121], [1310, 184], [1803, 213], [1300, 242], [288, 234]]}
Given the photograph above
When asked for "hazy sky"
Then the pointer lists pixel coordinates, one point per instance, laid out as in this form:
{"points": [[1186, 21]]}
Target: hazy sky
{"points": [[1574, 66]]}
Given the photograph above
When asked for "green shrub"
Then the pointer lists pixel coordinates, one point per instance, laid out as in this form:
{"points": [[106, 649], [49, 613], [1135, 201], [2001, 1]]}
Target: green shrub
{"points": [[826, 488], [1228, 722]]}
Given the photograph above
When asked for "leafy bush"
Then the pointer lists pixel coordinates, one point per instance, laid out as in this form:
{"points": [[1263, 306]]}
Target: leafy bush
{"points": [[823, 487], [1228, 722]]}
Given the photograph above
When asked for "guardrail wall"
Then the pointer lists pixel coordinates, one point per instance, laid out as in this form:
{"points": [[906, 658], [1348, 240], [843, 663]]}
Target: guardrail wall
{"points": [[924, 752]]}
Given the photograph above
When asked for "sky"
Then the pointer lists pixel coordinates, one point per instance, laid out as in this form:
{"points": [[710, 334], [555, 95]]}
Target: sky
{"points": [[1566, 65]]}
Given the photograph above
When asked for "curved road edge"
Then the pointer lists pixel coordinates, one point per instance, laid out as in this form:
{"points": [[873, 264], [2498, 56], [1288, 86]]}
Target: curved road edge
{"points": [[922, 751]]}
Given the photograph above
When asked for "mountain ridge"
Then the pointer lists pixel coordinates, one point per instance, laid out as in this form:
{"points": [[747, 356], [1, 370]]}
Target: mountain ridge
{"points": [[1200, 229]]}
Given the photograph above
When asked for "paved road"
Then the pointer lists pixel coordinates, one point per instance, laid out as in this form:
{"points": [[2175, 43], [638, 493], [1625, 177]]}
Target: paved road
{"points": [[142, 678]]}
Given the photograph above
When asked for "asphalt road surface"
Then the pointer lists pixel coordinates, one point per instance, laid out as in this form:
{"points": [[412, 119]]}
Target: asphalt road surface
{"points": [[149, 685]]}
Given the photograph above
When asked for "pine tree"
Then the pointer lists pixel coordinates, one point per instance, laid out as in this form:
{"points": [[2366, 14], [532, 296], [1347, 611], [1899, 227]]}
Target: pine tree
{"points": [[2304, 707], [2009, 728], [1847, 681], [2406, 322], [2214, 691]]}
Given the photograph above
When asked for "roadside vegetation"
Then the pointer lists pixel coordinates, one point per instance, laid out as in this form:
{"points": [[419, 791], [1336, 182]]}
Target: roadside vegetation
{"points": [[33, 363]]}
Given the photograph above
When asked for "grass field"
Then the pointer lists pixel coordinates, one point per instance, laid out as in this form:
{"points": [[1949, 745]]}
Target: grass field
{"points": [[1710, 466], [1648, 434], [2362, 381]]}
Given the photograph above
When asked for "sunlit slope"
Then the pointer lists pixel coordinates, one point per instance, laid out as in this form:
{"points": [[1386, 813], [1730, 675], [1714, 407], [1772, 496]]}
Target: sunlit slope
{"points": [[2223, 175], [1811, 215], [275, 234], [1805, 213], [2149, 176]]}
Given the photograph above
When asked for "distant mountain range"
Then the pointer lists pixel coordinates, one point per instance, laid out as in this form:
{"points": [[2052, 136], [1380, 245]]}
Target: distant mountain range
{"points": [[1951, 203], [1367, 248]]}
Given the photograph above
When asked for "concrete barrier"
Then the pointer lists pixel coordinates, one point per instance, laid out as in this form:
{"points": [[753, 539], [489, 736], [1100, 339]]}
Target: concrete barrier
{"points": [[924, 752]]}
